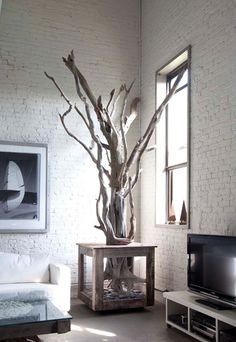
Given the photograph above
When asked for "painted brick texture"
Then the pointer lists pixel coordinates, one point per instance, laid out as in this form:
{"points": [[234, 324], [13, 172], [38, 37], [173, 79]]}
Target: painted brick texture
{"points": [[210, 27], [105, 37], [34, 35]]}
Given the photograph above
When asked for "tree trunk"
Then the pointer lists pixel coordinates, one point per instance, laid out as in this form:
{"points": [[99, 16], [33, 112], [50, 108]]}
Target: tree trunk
{"points": [[118, 214], [119, 270]]}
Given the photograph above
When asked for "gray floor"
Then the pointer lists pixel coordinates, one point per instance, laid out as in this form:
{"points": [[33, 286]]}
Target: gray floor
{"points": [[145, 325]]}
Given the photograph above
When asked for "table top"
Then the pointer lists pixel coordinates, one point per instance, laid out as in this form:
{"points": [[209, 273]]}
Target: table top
{"points": [[103, 246], [14, 312]]}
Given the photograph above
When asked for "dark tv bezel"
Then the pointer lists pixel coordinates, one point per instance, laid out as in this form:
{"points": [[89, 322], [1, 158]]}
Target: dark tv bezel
{"points": [[204, 290]]}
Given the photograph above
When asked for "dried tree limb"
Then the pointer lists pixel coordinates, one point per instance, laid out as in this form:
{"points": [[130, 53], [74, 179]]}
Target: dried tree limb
{"points": [[111, 97], [111, 124], [143, 142], [134, 180], [133, 114], [132, 217], [123, 133], [66, 99], [122, 123], [82, 116], [57, 86], [117, 99], [89, 125], [101, 223], [62, 117], [70, 63], [80, 79]]}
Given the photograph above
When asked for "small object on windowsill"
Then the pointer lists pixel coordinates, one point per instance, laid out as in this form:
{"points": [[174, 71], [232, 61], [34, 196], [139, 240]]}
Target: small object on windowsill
{"points": [[183, 216], [172, 217], [171, 222]]}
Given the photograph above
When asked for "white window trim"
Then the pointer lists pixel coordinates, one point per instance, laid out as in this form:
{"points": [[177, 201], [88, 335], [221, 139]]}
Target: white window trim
{"points": [[160, 93]]}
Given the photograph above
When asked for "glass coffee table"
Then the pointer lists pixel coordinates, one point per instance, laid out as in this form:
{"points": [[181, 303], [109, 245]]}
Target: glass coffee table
{"points": [[27, 319]]}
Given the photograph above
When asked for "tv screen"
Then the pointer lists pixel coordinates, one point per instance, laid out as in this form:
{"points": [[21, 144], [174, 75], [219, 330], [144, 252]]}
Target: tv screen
{"points": [[212, 265]]}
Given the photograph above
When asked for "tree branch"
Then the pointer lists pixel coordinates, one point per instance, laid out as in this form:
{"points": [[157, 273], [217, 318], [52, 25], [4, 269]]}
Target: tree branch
{"points": [[143, 142], [82, 116], [122, 130], [132, 217], [89, 124], [111, 97], [101, 224], [70, 63], [57, 86], [133, 114], [80, 79], [136, 177], [117, 99], [75, 138]]}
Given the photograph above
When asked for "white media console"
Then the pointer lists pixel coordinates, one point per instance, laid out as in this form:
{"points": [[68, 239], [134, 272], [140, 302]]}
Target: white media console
{"points": [[184, 313]]}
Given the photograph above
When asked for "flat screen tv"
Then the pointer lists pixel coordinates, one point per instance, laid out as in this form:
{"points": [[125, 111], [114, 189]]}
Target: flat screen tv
{"points": [[212, 266]]}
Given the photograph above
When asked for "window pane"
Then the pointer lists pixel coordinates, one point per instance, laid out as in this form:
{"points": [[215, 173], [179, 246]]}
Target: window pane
{"points": [[177, 128], [177, 196], [161, 203], [184, 80]]}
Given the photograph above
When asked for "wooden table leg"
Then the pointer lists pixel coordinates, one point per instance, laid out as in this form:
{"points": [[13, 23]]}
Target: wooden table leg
{"points": [[98, 279], [150, 273], [80, 273]]}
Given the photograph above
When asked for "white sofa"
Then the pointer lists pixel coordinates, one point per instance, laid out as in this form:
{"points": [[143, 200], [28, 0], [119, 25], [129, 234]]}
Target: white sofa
{"points": [[33, 277]]}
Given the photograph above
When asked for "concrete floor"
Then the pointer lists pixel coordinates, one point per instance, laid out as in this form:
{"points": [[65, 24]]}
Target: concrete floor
{"points": [[144, 325]]}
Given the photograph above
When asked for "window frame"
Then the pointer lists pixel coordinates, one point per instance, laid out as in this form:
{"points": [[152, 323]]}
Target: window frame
{"points": [[170, 167], [168, 72]]}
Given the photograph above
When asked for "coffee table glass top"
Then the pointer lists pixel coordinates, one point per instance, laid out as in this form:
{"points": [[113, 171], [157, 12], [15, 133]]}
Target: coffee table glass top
{"points": [[20, 312]]}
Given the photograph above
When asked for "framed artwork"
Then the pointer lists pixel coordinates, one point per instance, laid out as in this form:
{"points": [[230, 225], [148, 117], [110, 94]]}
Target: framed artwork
{"points": [[23, 188]]}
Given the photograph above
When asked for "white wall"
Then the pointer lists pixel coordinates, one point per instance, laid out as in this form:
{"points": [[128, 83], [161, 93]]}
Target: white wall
{"points": [[168, 26], [34, 35], [105, 37]]}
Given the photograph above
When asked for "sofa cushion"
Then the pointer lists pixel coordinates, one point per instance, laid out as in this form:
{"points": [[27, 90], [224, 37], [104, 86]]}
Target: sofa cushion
{"points": [[16, 268]]}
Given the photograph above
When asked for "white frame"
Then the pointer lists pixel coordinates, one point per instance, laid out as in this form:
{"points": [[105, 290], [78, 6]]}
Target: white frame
{"points": [[160, 92], [29, 225]]}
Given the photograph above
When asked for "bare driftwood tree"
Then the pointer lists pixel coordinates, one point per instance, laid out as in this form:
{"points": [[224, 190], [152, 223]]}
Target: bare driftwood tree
{"points": [[110, 153]]}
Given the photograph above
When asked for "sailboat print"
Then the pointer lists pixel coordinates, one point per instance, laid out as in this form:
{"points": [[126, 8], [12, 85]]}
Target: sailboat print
{"points": [[13, 187]]}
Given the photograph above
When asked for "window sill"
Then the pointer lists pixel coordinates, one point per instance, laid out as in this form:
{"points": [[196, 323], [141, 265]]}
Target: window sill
{"points": [[173, 226]]}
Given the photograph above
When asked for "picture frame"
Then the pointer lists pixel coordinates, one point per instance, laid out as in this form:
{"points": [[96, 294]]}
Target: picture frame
{"points": [[23, 187]]}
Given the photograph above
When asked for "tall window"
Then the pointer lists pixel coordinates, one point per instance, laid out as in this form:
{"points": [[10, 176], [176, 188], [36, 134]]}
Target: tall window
{"points": [[172, 158]]}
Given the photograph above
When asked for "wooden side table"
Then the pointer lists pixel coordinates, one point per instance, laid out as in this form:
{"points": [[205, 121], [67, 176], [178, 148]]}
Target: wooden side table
{"points": [[95, 298]]}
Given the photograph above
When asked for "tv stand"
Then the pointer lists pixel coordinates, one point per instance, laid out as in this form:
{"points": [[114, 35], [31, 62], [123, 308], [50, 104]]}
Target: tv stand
{"points": [[214, 304], [185, 313]]}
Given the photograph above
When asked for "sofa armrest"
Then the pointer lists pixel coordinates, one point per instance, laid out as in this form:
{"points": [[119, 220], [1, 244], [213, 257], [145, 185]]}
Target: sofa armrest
{"points": [[60, 274]]}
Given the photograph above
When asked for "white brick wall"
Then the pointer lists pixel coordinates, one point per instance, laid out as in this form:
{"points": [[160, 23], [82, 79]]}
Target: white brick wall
{"points": [[168, 26], [105, 37], [33, 36]]}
